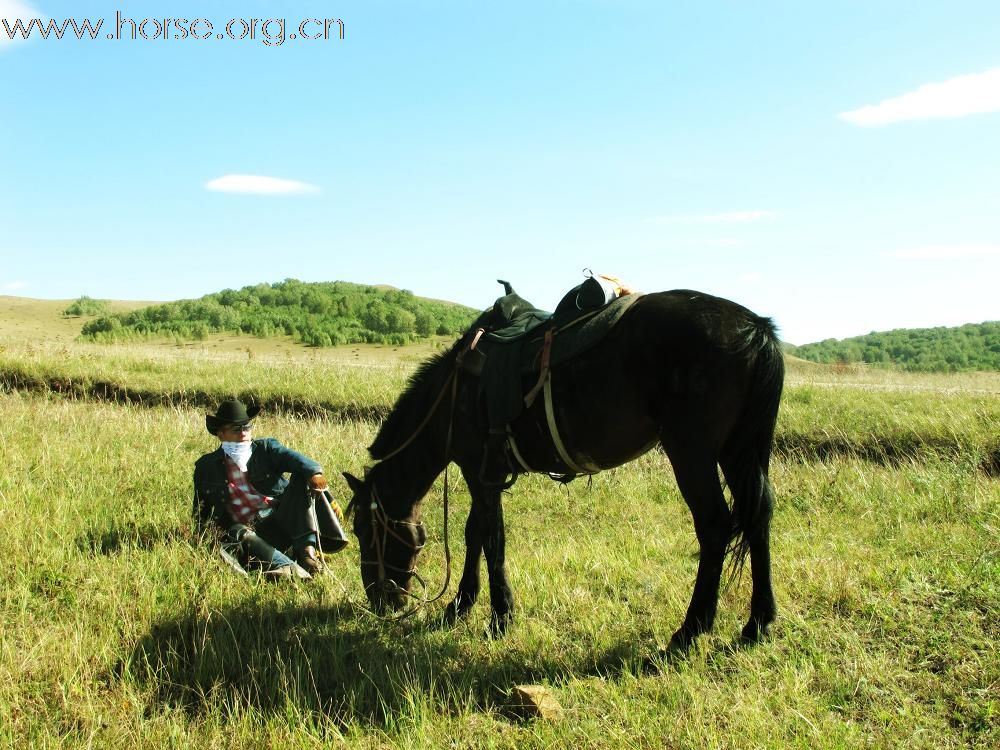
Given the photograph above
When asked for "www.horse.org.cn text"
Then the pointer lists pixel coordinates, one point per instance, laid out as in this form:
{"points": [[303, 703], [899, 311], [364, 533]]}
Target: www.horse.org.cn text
{"points": [[269, 31]]}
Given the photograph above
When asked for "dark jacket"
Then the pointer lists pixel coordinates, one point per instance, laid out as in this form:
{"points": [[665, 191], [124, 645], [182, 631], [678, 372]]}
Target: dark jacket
{"points": [[268, 462]]}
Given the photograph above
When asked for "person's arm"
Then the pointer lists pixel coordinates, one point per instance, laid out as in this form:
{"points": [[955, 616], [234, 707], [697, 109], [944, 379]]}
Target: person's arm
{"points": [[210, 496], [286, 460], [201, 507]]}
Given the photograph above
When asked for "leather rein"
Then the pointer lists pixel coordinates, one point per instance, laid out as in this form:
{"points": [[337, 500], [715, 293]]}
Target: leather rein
{"points": [[384, 527]]}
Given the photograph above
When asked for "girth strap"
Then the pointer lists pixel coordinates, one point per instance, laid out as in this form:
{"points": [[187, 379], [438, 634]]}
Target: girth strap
{"points": [[543, 372], [550, 417], [516, 453]]}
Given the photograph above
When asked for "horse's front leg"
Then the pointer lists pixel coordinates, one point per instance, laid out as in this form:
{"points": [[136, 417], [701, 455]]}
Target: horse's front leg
{"points": [[487, 529], [468, 587]]}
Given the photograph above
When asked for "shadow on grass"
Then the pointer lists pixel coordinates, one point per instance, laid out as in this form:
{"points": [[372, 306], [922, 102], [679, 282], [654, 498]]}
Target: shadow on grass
{"points": [[88, 389], [990, 465], [112, 540], [341, 662]]}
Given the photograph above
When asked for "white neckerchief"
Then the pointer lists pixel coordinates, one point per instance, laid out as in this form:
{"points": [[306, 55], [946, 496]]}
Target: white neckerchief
{"points": [[239, 453]]}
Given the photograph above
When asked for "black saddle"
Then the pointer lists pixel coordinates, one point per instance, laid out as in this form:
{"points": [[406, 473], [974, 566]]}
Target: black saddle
{"points": [[514, 340]]}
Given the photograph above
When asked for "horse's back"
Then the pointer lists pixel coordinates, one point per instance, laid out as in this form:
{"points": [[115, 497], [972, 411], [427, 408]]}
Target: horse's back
{"points": [[716, 318], [696, 359]]}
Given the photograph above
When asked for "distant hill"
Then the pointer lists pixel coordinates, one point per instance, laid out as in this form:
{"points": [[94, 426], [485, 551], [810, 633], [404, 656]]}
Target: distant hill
{"points": [[316, 314], [975, 346], [27, 319]]}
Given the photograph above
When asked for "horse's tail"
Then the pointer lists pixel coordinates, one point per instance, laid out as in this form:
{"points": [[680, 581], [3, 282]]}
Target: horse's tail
{"points": [[746, 456]]}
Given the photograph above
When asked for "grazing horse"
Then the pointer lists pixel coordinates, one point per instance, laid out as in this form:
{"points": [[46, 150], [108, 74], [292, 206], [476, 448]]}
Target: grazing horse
{"points": [[698, 375]]}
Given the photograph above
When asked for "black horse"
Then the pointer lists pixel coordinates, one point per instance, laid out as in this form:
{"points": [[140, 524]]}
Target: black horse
{"points": [[698, 375]]}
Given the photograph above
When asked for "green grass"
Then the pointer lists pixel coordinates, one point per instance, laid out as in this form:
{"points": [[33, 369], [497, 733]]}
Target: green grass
{"points": [[119, 632]]}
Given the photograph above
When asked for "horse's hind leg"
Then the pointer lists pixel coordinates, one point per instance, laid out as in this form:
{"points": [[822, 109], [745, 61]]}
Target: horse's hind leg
{"points": [[763, 609], [751, 487], [698, 480]]}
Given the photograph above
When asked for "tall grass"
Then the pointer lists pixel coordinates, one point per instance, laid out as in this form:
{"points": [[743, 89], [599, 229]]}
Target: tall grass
{"points": [[119, 631]]}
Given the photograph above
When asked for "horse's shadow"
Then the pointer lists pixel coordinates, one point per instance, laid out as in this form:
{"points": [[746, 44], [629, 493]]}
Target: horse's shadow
{"points": [[340, 661]]}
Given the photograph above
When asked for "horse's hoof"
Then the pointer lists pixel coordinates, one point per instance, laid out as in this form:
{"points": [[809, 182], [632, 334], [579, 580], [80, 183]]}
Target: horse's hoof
{"points": [[754, 632], [664, 656], [458, 609], [499, 624], [680, 642]]}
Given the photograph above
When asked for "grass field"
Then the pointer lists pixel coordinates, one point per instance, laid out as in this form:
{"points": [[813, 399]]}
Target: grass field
{"points": [[119, 632]]}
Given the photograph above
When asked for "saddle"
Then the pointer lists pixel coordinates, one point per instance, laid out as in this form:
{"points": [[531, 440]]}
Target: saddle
{"points": [[515, 340]]}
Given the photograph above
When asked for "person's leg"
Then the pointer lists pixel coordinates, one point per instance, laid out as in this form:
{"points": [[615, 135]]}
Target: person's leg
{"points": [[250, 548], [293, 523]]}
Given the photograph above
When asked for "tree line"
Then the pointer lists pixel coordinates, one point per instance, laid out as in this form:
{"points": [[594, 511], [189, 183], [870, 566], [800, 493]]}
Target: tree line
{"points": [[975, 346], [315, 314]]}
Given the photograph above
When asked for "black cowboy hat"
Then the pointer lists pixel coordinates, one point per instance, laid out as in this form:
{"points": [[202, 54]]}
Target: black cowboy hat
{"points": [[232, 411]]}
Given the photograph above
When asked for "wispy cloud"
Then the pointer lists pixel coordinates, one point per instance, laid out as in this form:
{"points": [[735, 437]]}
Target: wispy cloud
{"points": [[13, 286], [956, 97], [12, 10], [732, 217], [258, 185], [946, 252]]}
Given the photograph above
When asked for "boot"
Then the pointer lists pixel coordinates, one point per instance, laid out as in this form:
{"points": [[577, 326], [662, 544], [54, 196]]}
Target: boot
{"points": [[309, 561]]}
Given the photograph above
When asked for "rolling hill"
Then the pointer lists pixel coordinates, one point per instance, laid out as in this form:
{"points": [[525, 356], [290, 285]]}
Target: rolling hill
{"points": [[975, 346], [315, 314]]}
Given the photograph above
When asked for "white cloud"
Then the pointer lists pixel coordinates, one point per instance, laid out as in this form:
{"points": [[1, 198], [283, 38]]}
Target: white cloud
{"points": [[13, 286], [750, 278], [10, 11], [259, 185], [956, 97], [732, 217], [946, 252]]}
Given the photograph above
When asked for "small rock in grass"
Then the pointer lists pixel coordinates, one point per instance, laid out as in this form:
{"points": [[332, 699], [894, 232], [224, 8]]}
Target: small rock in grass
{"points": [[535, 702]]}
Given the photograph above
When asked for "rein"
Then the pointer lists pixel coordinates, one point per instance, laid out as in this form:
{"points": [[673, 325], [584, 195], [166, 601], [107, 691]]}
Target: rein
{"points": [[381, 518], [453, 381]]}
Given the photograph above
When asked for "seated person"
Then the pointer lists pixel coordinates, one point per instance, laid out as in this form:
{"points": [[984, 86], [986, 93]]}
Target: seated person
{"points": [[241, 488]]}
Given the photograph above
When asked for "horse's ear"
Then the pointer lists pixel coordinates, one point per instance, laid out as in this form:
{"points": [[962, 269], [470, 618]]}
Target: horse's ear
{"points": [[352, 481]]}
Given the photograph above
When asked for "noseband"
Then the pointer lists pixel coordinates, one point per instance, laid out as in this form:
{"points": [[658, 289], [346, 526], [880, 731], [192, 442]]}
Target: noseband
{"points": [[382, 528]]}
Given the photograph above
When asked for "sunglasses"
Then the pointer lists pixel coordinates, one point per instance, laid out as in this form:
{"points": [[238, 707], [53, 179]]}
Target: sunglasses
{"points": [[238, 427]]}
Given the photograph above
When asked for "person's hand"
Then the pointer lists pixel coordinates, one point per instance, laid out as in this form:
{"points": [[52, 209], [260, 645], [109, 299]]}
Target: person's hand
{"points": [[317, 482]]}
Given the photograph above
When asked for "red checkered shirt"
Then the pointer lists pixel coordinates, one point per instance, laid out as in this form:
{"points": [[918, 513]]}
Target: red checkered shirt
{"points": [[244, 500]]}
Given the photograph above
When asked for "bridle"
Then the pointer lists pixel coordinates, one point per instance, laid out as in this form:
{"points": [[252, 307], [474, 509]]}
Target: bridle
{"points": [[384, 527]]}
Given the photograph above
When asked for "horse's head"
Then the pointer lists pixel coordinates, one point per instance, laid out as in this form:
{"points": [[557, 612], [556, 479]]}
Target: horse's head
{"points": [[389, 546]]}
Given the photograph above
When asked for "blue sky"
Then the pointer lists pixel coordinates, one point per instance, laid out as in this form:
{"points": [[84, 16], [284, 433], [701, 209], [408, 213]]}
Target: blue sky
{"points": [[835, 166]]}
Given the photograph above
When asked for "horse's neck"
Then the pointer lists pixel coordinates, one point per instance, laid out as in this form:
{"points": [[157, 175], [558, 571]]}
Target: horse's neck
{"points": [[405, 478]]}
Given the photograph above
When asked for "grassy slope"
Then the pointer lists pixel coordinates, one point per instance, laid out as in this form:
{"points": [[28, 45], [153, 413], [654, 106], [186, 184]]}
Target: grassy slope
{"points": [[25, 319], [39, 325], [119, 632]]}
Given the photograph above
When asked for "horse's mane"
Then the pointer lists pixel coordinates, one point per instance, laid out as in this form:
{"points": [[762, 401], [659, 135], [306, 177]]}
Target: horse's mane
{"points": [[411, 407]]}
